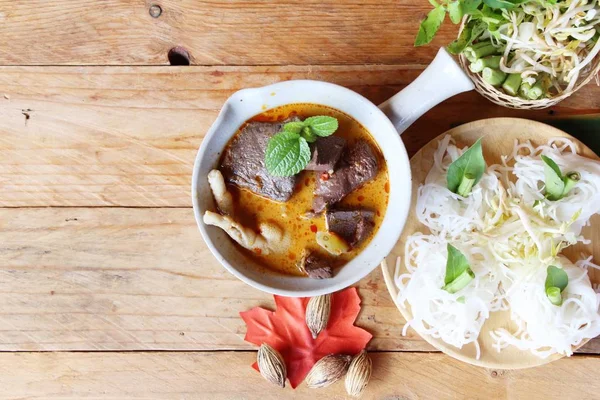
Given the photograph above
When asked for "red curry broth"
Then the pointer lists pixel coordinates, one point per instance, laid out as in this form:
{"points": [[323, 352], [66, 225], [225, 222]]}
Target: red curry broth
{"points": [[253, 209]]}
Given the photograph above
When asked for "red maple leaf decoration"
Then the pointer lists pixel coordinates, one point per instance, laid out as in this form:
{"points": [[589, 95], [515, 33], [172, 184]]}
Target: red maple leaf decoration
{"points": [[285, 330]]}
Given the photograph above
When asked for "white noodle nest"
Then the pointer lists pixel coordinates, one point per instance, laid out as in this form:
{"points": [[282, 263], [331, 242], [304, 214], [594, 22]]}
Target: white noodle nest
{"points": [[509, 233], [543, 328]]}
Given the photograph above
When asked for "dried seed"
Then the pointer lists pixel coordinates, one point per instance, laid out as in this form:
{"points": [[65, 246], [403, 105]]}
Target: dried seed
{"points": [[271, 365], [328, 370], [358, 374], [317, 314]]}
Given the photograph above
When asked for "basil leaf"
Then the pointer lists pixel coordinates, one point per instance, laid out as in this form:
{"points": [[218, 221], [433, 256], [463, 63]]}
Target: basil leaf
{"points": [[469, 167], [455, 265], [295, 127], [430, 25], [469, 6], [322, 125], [499, 4], [553, 179], [469, 34], [287, 154], [557, 186], [455, 11], [460, 282], [556, 277], [556, 281]]}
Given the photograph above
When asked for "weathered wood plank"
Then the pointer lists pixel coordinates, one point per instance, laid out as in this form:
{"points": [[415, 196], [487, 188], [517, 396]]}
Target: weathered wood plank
{"points": [[138, 279], [227, 375], [127, 136], [234, 32], [135, 279]]}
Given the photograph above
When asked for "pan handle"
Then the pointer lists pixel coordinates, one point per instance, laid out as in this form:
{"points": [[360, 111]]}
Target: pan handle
{"points": [[442, 79]]}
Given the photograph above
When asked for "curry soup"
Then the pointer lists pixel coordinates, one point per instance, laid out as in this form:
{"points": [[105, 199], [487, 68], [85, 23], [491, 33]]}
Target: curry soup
{"points": [[292, 216]]}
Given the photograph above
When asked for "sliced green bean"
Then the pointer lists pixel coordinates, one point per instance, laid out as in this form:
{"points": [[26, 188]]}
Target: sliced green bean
{"points": [[480, 64], [512, 83], [494, 77]]}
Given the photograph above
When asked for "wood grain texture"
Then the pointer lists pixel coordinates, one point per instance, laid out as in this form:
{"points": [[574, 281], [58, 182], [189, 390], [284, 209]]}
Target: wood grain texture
{"points": [[139, 279], [127, 136], [136, 279], [234, 32], [228, 375]]}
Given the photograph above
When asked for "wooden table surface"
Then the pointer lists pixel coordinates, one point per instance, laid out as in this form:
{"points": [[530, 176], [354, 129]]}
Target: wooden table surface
{"points": [[106, 287]]}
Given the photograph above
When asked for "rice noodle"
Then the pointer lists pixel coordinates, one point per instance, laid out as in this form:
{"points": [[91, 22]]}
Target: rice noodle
{"points": [[543, 328], [510, 233]]}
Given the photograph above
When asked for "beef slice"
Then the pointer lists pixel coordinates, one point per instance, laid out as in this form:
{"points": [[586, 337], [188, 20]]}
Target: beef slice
{"points": [[326, 152], [353, 226], [316, 267], [357, 166], [243, 163]]}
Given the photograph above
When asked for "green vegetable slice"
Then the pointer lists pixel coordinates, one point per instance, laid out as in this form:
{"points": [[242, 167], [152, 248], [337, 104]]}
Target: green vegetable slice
{"points": [[557, 186], [458, 271], [556, 282], [470, 166], [554, 295]]}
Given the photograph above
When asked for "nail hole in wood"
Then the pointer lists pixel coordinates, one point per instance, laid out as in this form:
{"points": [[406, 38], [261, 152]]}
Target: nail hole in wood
{"points": [[155, 10], [179, 56]]}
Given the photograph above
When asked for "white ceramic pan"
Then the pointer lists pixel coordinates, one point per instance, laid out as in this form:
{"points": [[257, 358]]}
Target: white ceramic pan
{"points": [[441, 80]]}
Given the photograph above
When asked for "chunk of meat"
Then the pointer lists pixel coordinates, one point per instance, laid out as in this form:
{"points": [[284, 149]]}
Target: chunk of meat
{"points": [[219, 190], [358, 166], [244, 162], [326, 152], [271, 239], [354, 226], [315, 267]]}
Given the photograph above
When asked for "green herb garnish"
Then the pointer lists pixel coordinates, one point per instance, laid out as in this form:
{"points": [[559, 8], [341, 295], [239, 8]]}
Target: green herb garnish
{"points": [[487, 13], [288, 153], [467, 170], [430, 25], [557, 185], [472, 31], [458, 271], [556, 281]]}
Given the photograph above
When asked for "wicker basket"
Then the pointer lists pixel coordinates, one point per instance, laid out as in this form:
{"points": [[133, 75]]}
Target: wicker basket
{"points": [[499, 97]]}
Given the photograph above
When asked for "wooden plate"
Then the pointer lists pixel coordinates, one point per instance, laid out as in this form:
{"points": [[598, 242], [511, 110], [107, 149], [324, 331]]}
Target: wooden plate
{"points": [[499, 135]]}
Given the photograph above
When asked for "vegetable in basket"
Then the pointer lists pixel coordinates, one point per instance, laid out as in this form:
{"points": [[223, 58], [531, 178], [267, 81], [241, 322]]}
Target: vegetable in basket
{"points": [[533, 49]]}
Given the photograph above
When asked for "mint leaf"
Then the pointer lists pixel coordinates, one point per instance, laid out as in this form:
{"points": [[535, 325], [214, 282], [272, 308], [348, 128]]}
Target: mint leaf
{"points": [[430, 25], [308, 134], [287, 154], [458, 271], [469, 167], [322, 125], [556, 281], [455, 11], [295, 127]]}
